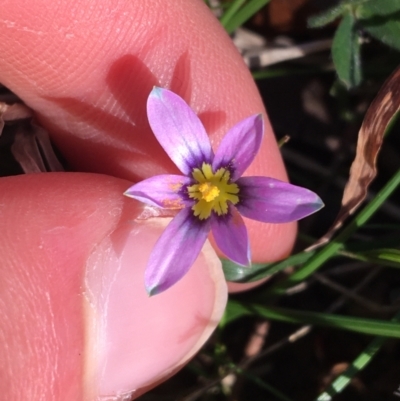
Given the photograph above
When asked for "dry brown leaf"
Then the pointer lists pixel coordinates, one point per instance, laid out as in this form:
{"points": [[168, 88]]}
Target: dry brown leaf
{"points": [[31, 147], [16, 111], [12, 112], [33, 151], [370, 137]]}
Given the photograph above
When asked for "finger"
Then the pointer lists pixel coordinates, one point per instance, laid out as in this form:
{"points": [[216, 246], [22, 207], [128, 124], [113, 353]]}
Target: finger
{"points": [[88, 67], [76, 321]]}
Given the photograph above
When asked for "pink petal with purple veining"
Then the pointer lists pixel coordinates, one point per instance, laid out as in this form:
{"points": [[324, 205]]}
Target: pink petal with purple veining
{"points": [[230, 234], [178, 130], [163, 191], [240, 146], [175, 251]]}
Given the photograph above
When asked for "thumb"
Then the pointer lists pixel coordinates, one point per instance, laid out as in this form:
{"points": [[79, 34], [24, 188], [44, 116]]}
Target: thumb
{"points": [[77, 323]]}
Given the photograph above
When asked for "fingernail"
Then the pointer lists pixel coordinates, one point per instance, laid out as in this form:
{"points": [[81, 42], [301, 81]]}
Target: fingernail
{"points": [[133, 340]]}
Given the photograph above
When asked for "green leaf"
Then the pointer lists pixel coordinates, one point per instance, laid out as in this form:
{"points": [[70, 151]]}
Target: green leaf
{"points": [[326, 17], [375, 327], [346, 52], [381, 19], [372, 8]]}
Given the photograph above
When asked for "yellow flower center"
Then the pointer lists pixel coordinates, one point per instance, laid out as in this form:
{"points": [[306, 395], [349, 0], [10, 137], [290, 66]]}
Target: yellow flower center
{"points": [[213, 191]]}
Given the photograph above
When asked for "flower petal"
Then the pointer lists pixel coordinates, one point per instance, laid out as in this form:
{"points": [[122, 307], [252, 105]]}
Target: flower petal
{"points": [[230, 234], [163, 191], [178, 130], [175, 251], [239, 146], [272, 201]]}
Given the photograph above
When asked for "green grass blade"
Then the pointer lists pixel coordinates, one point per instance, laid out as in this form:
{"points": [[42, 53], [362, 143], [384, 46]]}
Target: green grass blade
{"points": [[374, 327], [245, 13], [261, 383], [384, 257], [359, 363], [237, 273], [231, 11], [282, 72], [344, 379], [383, 240]]}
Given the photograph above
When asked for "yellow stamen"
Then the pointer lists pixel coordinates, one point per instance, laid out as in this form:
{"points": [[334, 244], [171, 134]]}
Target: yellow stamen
{"points": [[213, 191], [208, 191]]}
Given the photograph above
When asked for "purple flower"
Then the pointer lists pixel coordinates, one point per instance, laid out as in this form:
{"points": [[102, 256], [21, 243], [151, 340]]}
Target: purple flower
{"points": [[210, 195]]}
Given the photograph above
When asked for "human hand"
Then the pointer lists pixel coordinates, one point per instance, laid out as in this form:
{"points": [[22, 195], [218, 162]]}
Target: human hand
{"points": [[77, 323]]}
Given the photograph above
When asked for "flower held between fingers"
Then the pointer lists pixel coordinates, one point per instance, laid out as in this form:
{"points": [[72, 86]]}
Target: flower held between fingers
{"points": [[211, 195]]}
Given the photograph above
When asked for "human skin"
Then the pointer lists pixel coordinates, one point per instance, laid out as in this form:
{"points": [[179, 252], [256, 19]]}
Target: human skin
{"points": [[76, 323]]}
